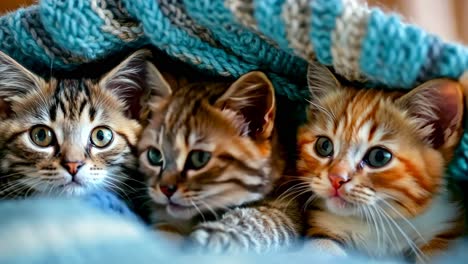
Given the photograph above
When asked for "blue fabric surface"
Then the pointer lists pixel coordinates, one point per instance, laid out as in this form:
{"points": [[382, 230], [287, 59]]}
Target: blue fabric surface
{"points": [[73, 232]]}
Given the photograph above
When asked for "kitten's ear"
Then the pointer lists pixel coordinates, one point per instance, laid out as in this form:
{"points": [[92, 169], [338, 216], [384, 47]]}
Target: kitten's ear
{"points": [[437, 108], [136, 81], [15, 81], [252, 98], [320, 81]]}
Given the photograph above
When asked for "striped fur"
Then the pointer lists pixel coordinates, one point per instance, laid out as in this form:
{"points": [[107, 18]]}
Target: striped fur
{"points": [[400, 209], [234, 122], [70, 109]]}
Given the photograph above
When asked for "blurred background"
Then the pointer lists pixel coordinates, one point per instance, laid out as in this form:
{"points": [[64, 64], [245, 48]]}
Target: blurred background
{"points": [[446, 18]]}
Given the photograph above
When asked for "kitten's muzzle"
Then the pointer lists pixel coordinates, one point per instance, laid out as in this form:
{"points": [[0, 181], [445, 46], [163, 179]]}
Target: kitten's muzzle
{"points": [[337, 180], [168, 190], [72, 166]]}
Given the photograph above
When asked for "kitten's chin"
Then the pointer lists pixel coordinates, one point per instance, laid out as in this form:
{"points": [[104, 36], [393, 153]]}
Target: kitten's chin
{"points": [[181, 212], [73, 189], [70, 189], [339, 206]]}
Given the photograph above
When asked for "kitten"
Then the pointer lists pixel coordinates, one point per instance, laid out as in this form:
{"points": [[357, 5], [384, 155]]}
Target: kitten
{"points": [[68, 136], [210, 147], [375, 162]]}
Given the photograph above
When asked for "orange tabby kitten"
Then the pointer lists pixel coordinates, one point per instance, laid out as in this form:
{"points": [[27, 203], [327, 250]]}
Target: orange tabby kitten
{"points": [[375, 162]]}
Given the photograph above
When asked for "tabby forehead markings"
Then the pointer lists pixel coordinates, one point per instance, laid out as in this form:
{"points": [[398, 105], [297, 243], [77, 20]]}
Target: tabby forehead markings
{"points": [[70, 110], [182, 150], [70, 98]]}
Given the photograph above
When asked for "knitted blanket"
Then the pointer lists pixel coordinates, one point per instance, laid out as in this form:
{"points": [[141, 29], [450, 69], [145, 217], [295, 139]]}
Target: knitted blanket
{"points": [[232, 37]]}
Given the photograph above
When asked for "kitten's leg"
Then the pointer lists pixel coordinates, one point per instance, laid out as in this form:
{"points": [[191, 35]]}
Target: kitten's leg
{"points": [[259, 229], [441, 243], [432, 249]]}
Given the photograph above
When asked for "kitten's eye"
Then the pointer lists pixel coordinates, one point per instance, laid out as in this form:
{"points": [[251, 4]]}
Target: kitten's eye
{"points": [[155, 157], [197, 159], [324, 147], [101, 137], [42, 136], [378, 157]]}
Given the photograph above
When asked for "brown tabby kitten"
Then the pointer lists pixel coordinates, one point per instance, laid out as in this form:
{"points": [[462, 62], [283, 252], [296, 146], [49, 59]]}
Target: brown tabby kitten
{"points": [[67, 136], [375, 162], [212, 147]]}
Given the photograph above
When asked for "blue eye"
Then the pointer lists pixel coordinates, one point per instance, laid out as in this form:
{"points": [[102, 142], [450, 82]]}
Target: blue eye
{"points": [[378, 157], [101, 137], [324, 147], [197, 159], [42, 136], [155, 157]]}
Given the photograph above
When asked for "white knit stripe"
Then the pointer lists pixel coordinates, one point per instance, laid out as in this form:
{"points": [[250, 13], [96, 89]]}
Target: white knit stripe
{"points": [[347, 39], [125, 30], [174, 10], [243, 11], [296, 16]]}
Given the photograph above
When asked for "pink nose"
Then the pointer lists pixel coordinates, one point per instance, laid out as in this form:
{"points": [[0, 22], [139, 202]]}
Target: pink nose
{"points": [[72, 166], [337, 180], [168, 190]]}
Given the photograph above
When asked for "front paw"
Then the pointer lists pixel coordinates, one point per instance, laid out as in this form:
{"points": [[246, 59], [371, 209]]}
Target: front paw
{"points": [[217, 238]]}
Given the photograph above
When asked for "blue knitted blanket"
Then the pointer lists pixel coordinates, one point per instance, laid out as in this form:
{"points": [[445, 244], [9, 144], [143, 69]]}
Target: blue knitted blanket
{"points": [[232, 37]]}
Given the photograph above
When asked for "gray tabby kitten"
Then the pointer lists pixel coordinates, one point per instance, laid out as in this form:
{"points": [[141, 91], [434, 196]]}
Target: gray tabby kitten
{"points": [[211, 148], [67, 136]]}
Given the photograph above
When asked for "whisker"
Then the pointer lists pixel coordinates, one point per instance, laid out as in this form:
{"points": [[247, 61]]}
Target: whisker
{"points": [[404, 219], [209, 209], [300, 193], [119, 182], [419, 254], [309, 201], [199, 211], [292, 190], [115, 188]]}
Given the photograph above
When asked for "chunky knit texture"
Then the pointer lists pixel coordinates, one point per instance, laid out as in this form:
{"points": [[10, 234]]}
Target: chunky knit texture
{"points": [[232, 37]]}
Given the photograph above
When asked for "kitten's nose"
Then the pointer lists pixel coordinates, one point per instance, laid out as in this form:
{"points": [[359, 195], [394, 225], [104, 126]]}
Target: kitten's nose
{"points": [[168, 190], [337, 180], [72, 166]]}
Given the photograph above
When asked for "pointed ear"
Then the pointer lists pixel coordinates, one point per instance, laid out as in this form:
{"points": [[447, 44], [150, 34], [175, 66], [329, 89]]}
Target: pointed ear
{"points": [[252, 100], [136, 81], [437, 109], [320, 81], [15, 81]]}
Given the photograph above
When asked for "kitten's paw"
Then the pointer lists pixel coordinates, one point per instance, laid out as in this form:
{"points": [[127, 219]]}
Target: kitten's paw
{"points": [[327, 246], [215, 238]]}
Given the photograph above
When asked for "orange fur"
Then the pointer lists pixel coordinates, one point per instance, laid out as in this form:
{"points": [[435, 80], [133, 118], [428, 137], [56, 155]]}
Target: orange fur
{"points": [[406, 189]]}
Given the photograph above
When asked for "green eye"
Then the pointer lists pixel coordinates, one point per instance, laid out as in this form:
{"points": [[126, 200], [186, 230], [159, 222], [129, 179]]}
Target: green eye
{"points": [[197, 159], [324, 147], [378, 157], [155, 157], [42, 136], [101, 137]]}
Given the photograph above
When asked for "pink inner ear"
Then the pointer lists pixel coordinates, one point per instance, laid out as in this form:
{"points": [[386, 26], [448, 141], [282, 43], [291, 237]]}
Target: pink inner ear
{"points": [[449, 112]]}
